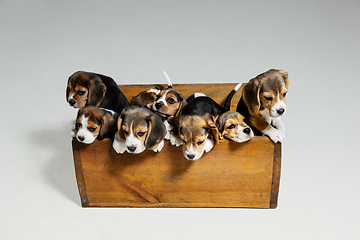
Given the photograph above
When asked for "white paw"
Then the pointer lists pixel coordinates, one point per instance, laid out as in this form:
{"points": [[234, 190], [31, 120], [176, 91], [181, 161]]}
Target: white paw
{"points": [[278, 124], [209, 144], [159, 147], [119, 145], [274, 134], [175, 141]]}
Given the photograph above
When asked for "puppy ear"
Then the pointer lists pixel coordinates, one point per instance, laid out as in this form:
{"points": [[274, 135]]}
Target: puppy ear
{"points": [[220, 125], [97, 91], [156, 131], [210, 121], [251, 96], [182, 104], [285, 76], [119, 123], [174, 122], [107, 127]]}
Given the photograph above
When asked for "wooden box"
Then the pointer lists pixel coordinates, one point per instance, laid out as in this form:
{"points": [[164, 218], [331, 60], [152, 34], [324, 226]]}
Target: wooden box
{"points": [[241, 175]]}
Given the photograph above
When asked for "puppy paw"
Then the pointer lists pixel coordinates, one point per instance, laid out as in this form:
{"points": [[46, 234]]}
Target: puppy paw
{"points": [[119, 145], [278, 124], [274, 134], [159, 147], [175, 141], [209, 144]]}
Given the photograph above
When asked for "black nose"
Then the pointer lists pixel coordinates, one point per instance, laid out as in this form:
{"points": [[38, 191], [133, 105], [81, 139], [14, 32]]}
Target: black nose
{"points": [[247, 131], [132, 149], [71, 102], [158, 105], [190, 156], [81, 138], [280, 111]]}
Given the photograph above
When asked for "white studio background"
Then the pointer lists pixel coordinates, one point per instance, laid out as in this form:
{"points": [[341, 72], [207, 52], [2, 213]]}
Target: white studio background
{"points": [[43, 42]]}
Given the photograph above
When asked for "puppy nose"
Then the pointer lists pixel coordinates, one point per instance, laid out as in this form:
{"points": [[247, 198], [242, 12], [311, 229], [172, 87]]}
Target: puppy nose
{"points": [[280, 111], [158, 105], [72, 102], [81, 138], [190, 156], [132, 149], [247, 131]]}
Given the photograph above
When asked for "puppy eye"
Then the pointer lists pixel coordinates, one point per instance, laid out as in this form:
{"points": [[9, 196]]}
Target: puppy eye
{"points": [[78, 125], [269, 98], [91, 129], [200, 142], [171, 101], [231, 126], [284, 94], [126, 132], [140, 134], [81, 93]]}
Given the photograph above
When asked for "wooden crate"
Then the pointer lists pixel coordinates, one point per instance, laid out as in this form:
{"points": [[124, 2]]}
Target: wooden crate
{"points": [[245, 175]]}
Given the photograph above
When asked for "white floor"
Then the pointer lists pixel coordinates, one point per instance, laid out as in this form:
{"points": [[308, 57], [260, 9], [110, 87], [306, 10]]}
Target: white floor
{"points": [[317, 42]]}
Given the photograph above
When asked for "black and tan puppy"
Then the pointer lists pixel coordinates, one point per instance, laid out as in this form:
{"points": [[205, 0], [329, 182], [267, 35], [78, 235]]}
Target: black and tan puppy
{"points": [[138, 129], [263, 103], [92, 89], [146, 98], [94, 123]]}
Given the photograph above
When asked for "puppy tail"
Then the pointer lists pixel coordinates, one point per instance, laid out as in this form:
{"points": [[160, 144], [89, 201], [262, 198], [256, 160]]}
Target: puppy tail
{"points": [[168, 80], [227, 103]]}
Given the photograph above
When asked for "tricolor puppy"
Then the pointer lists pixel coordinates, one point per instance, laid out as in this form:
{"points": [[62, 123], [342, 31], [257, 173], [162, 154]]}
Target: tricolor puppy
{"points": [[196, 126], [263, 103], [138, 129], [168, 104], [146, 98], [94, 123], [231, 126], [92, 89]]}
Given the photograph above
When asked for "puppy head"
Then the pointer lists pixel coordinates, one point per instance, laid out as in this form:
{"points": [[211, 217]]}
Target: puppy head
{"points": [[84, 88], [140, 128], [93, 123], [146, 98], [231, 126], [169, 102], [267, 92], [194, 131]]}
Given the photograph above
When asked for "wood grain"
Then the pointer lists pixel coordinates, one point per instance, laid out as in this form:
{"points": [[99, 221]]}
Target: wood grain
{"points": [[243, 175]]}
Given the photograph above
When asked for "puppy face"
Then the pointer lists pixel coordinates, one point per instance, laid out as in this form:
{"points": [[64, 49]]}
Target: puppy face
{"points": [[140, 128], [195, 132], [231, 126], [267, 92], [146, 98], [85, 89], [93, 123], [169, 102]]}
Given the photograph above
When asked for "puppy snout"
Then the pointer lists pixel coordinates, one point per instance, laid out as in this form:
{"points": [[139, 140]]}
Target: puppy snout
{"points": [[190, 156], [158, 105], [247, 131], [72, 102], [81, 138], [280, 111], [132, 149]]}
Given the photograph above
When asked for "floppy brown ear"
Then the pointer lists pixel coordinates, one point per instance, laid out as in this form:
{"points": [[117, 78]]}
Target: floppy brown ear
{"points": [[97, 91], [251, 96], [285, 76], [156, 131], [182, 104], [108, 127], [119, 123], [210, 121], [220, 125]]}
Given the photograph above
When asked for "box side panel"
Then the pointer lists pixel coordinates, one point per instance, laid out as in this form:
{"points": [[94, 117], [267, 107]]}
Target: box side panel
{"points": [[276, 176], [79, 173]]}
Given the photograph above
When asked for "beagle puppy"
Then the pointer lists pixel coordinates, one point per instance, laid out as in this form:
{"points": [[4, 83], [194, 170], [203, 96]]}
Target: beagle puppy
{"points": [[138, 129], [263, 103], [168, 104], [146, 98], [92, 89], [94, 123], [196, 126]]}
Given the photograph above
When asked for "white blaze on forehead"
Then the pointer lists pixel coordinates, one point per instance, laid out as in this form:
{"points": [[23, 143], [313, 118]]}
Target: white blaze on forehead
{"points": [[83, 132]]}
